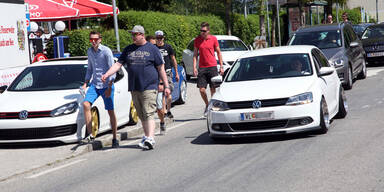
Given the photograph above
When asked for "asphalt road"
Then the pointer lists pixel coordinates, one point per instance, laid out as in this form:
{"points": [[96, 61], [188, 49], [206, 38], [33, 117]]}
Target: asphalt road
{"points": [[348, 158]]}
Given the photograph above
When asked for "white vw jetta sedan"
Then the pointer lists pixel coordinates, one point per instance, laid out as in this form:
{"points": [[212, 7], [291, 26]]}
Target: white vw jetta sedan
{"points": [[276, 91], [43, 103]]}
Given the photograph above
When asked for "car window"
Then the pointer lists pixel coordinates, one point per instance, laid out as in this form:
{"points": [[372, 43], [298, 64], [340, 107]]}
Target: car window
{"points": [[320, 39], [373, 32], [321, 60], [50, 77], [270, 66], [232, 45], [347, 38], [352, 33], [119, 75], [191, 46]]}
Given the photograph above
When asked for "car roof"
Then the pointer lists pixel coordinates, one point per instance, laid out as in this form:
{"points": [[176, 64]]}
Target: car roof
{"points": [[226, 37], [81, 60], [324, 27], [381, 25], [279, 50]]}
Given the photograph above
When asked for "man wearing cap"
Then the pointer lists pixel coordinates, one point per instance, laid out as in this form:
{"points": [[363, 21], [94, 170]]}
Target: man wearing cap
{"points": [[145, 65], [168, 54]]}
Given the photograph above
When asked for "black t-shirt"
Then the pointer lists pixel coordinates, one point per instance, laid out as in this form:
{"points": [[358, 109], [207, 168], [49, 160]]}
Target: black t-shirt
{"points": [[166, 51]]}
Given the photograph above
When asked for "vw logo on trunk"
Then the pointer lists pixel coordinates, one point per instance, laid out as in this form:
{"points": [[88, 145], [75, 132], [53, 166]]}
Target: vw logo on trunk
{"points": [[256, 104], [23, 115]]}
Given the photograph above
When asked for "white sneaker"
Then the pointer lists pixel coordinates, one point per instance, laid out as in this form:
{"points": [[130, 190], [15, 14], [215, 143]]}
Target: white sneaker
{"points": [[149, 142], [205, 112], [141, 144]]}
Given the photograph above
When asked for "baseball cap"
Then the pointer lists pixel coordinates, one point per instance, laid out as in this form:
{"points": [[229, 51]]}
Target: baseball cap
{"points": [[159, 33], [137, 29]]}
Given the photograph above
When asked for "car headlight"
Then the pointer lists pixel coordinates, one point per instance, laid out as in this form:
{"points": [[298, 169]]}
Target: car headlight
{"points": [[300, 99], [337, 62], [216, 105], [65, 109]]}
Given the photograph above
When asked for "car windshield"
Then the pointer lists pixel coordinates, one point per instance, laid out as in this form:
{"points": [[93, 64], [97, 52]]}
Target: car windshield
{"points": [[50, 77], [374, 32], [232, 45], [270, 66], [320, 39]]}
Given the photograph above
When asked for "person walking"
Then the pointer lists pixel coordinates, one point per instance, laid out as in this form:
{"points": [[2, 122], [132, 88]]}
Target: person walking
{"points": [[344, 16], [205, 45], [168, 54], [329, 19], [145, 65], [100, 59]]}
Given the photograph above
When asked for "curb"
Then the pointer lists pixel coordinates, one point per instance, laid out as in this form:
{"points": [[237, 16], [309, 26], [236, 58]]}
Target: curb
{"points": [[130, 132]]}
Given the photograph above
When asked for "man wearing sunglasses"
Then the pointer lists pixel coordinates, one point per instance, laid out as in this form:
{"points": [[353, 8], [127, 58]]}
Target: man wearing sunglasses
{"points": [[145, 65], [168, 54], [205, 45], [100, 59]]}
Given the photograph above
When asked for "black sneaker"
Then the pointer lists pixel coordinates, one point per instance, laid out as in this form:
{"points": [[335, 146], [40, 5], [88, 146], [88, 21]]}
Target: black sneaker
{"points": [[169, 115], [115, 143], [162, 128]]}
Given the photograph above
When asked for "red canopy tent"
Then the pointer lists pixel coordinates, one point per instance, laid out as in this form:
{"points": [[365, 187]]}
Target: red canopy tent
{"points": [[89, 8], [48, 10]]}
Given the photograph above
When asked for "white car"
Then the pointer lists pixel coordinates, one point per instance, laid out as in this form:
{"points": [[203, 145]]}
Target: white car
{"points": [[266, 93], [44, 104], [231, 48]]}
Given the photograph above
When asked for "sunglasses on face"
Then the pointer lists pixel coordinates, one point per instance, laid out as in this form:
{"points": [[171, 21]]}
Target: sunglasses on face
{"points": [[135, 34], [203, 31], [93, 39], [159, 37]]}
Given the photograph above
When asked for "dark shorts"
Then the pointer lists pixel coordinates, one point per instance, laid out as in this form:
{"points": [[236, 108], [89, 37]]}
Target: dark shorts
{"points": [[204, 77]]}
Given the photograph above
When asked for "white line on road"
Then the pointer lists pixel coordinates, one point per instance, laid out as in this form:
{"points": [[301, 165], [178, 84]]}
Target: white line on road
{"points": [[365, 106], [54, 169]]}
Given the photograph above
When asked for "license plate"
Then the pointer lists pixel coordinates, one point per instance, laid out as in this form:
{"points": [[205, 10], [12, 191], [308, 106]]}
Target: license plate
{"points": [[257, 116], [376, 54]]}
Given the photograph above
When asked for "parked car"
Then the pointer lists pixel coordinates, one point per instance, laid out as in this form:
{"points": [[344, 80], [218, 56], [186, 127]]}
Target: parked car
{"points": [[359, 28], [43, 103], [265, 92], [340, 44], [373, 43], [179, 93], [231, 48]]}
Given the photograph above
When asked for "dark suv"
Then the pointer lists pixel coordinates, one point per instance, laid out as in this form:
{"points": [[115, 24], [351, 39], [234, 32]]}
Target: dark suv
{"points": [[340, 45]]}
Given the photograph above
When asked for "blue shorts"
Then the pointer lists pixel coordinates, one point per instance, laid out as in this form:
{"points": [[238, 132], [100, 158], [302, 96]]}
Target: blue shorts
{"points": [[93, 94]]}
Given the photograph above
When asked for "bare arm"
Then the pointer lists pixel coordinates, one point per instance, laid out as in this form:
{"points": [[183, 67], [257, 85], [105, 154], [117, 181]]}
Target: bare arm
{"points": [[115, 67], [175, 66], [195, 52], [217, 49], [163, 76]]}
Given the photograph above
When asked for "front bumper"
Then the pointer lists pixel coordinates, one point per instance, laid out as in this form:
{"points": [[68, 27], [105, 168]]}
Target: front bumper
{"points": [[287, 119]]}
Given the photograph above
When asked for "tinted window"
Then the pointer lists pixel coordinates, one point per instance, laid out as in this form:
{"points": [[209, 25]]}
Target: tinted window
{"points": [[321, 60], [190, 45], [347, 38], [270, 66], [232, 45], [55, 77], [374, 32], [320, 39]]}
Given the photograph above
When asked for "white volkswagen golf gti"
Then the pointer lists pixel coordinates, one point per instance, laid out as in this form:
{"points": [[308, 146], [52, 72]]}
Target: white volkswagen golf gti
{"points": [[43, 103], [276, 91]]}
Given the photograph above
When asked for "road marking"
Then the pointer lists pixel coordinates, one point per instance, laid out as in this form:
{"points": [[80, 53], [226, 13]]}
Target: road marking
{"points": [[54, 169], [373, 72], [365, 106]]}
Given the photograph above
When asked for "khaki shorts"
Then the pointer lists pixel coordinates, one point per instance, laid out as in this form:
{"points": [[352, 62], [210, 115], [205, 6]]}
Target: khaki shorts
{"points": [[170, 79], [145, 104]]}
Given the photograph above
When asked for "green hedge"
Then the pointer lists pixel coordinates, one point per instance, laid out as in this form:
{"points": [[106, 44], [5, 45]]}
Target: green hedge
{"points": [[354, 15], [245, 29]]}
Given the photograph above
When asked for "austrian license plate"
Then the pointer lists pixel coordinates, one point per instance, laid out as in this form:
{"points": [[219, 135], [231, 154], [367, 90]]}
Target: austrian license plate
{"points": [[267, 115], [375, 54]]}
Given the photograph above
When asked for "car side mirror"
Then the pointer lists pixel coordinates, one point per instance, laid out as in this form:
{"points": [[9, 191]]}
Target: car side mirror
{"points": [[3, 88], [324, 71], [354, 44], [217, 79]]}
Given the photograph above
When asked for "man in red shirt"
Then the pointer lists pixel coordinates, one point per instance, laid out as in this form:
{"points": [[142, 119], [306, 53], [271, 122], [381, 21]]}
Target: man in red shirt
{"points": [[206, 45]]}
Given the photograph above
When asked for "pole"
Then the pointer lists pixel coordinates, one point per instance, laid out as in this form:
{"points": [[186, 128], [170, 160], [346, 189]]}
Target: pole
{"points": [[377, 11], [318, 15], [278, 20], [116, 25], [269, 29], [245, 8], [337, 11]]}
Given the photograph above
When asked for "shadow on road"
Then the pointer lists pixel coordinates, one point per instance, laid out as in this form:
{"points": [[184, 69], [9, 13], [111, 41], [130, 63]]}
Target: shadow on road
{"points": [[185, 120], [30, 145], [204, 139]]}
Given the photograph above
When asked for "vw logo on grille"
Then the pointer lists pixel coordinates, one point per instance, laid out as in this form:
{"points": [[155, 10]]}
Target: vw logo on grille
{"points": [[23, 115], [256, 104]]}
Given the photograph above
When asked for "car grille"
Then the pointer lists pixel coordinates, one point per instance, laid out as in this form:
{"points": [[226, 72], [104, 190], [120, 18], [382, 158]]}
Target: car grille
{"points": [[32, 114], [258, 125], [264, 103], [37, 133], [374, 48]]}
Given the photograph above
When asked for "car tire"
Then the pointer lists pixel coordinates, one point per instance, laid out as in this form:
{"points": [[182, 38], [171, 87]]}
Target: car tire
{"points": [[183, 93], [133, 116], [324, 117], [343, 105], [95, 121], [348, 85], [185, 70], [363, 72]]}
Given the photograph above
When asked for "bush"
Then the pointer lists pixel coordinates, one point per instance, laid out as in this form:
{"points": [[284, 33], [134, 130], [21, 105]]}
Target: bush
{"points": [[246, 29]]}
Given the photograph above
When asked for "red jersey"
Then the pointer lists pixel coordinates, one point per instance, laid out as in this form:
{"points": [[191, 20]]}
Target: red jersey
{"points": [[206, 49]]}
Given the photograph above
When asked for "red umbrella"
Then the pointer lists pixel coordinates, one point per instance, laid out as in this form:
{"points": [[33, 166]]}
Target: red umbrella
{"points": [[48, 10], [88, 8]]}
